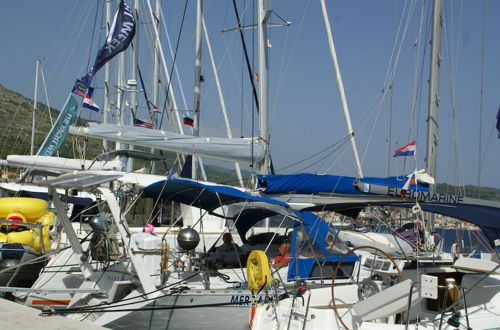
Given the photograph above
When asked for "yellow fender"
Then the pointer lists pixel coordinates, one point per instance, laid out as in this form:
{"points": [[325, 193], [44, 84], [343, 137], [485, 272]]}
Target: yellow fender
{"points": [[31, 208], [258, 271], [47, 222], [165, 253], [3, 238], [23, 237]]}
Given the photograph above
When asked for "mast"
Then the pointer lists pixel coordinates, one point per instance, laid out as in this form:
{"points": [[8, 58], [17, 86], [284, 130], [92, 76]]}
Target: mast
{"points": [[262, 18], [34, 108], [432, 117], [105, 110], [156, 70], [132, 83], [156, 60], [333, 53], [120, 94], [197, 80]]}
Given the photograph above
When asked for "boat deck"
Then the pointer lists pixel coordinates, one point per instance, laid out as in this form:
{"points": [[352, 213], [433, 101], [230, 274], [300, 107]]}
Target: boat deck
{"points": [[17, 316]]}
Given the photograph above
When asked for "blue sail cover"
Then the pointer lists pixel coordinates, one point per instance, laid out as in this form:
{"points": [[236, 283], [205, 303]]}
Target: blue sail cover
{"points": [[318, 231], [307, 183]]}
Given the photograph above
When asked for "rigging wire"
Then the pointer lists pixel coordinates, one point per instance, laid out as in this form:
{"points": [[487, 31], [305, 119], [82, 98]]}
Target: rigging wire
{"points": [[481, 101], [341, 142], [416, 101], [286, 60], [167, 88], [390, 73], [453, 69]]}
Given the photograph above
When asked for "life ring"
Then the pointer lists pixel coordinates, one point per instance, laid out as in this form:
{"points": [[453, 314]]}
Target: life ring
{"points": [[258, 271]]}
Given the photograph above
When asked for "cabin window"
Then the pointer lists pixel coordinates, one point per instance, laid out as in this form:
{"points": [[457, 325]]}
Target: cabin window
{"points": [[324, 270]]}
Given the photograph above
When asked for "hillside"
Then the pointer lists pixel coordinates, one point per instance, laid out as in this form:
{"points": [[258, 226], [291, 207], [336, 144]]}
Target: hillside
{"points": [[16, 113], [15, 138]]}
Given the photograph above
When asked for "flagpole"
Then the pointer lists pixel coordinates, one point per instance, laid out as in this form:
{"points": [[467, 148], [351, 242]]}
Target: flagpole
{"points": [[34, 108]]}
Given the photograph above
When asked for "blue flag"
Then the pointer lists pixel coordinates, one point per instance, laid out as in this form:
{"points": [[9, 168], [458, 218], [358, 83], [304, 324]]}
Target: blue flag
{"points": [[81, 89], [120, 35]]}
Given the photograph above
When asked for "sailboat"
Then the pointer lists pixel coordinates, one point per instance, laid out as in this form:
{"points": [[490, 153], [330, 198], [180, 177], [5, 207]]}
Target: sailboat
{"points": [[116, 267], [401, 292]]}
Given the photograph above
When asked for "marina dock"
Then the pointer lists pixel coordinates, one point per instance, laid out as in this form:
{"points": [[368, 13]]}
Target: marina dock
{"points": [[17, 316]]}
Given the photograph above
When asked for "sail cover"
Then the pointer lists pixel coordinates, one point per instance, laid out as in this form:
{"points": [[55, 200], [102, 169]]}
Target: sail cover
{"points": [[240, 150], [307, 183], [60, 164]]}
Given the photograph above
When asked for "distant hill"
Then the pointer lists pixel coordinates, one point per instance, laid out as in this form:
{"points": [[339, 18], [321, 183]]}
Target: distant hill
{"points": [[470, 191], [16, 113]]}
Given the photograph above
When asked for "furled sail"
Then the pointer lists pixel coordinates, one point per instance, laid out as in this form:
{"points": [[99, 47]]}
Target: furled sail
{"points": [[60, 164], [240, 150]]}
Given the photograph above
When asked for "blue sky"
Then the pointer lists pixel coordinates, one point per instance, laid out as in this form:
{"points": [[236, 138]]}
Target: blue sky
{"points": [[306, 113]]}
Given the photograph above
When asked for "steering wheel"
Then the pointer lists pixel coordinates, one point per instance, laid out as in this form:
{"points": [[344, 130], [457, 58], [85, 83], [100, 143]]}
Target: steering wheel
{"points": [[367, 286]]}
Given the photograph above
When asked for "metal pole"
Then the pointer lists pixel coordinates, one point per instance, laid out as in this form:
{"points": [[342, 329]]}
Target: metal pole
{"points": [[262, 16], [432, 118], [197, 81], [34, 108], [105, 110], [340, 84]]}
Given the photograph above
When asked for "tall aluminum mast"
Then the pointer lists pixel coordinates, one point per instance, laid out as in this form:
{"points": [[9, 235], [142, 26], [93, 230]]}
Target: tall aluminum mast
{"points": [[262, 17], [432, 117]]}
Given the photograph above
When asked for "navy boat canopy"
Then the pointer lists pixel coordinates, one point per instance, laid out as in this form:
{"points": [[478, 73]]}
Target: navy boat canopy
{"points": [[210, 197], [205, 196], [485, 215]]}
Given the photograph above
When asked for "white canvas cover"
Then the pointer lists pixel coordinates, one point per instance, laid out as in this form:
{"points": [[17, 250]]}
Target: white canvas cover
{"points": [[228, 149]]}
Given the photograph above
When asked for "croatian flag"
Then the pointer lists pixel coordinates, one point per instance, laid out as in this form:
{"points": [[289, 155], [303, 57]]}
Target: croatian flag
{"points": [[188, 121], [407, 150], [90, 104], [140, 123], [155, 108]]}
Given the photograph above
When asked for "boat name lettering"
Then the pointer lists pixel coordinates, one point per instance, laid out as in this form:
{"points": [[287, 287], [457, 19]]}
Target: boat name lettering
{"points": [[60, 133], [123, 35], [426, 196], [245, 300]]}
